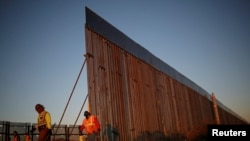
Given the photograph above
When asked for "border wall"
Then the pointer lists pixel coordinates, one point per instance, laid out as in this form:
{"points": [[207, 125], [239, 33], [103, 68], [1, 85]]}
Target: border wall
{"points": [[136, 96]]}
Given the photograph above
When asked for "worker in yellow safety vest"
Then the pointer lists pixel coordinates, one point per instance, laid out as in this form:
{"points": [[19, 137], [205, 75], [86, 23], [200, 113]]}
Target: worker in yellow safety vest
{"points": [[43, 123]]}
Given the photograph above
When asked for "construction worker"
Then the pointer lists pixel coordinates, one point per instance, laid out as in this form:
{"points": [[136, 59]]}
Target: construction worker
{"points": [[43, 123], [16, 136], [27, 137], [91, 126]]}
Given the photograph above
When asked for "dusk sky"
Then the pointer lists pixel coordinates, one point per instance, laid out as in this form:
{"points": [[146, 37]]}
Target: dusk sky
{"points": [[42, 44]]}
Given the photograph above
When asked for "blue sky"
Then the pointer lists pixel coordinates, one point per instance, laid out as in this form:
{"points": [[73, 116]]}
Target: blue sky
{"points": [[42, 45]]}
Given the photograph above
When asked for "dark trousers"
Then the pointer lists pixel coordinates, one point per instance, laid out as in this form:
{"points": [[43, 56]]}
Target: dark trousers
{"points": [[44, 135], [92, 137]]}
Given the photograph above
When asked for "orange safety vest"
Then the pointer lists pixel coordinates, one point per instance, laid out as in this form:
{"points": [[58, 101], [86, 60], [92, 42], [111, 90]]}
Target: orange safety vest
{"points": [[91, 124], [27, 138], [16, 138]]}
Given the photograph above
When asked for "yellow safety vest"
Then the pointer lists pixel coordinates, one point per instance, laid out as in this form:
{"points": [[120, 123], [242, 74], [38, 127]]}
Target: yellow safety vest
{"points": [[44, 119]]}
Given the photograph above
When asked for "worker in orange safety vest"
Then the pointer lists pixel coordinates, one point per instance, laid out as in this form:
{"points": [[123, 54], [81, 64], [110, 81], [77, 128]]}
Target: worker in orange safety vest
{"points": [[91, 126], [27, 137], [16, 136]]}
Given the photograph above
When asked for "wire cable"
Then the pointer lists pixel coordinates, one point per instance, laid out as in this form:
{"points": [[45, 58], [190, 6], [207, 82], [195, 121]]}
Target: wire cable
{"points": [[70, 96], [79, 114]]}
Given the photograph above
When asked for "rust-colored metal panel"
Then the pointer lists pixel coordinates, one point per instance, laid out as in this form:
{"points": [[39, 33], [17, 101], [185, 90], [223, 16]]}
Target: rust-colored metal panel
{"points": [[138, 97]]}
